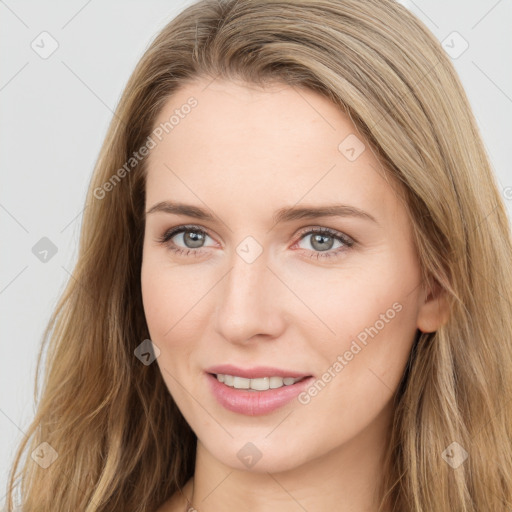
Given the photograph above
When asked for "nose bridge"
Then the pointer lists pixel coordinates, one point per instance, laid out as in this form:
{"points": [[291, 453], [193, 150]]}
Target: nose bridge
{"points": [[248, 302]]}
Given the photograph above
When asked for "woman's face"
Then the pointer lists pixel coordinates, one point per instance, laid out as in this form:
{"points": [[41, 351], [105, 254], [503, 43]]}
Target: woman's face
{"points": [[254, 280]]}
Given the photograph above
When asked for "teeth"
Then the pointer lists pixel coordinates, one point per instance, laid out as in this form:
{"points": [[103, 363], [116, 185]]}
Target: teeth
{"points": [[275, 382], [241, 383], [261, 384]]}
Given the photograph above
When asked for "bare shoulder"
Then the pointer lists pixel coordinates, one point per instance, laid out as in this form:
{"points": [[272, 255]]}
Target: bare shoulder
{"points": [[177, 502]]}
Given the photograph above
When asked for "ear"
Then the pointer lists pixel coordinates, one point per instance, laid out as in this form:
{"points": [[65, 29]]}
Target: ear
{"points": [[433, 310]]}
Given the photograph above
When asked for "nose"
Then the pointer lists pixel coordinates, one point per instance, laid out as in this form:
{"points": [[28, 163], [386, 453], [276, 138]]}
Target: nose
{"points": [[251, 301]]}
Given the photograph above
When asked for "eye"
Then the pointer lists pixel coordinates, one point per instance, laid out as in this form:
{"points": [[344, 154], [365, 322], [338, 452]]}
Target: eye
{"points": [[322, 241], [191, 236]]}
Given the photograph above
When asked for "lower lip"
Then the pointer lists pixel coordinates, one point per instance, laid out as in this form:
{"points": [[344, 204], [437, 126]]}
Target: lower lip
{"points": [[255, 403]]}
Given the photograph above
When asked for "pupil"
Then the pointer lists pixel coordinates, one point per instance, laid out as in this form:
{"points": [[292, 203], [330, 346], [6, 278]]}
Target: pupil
{"points": [[322, 238], [193, 237]]}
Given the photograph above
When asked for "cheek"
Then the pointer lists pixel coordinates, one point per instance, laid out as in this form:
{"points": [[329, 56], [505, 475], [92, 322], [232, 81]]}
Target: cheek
{"points": [[156, 297], [174, 306], [373, 313], [168, 295], [168, 311], [358, 296]]}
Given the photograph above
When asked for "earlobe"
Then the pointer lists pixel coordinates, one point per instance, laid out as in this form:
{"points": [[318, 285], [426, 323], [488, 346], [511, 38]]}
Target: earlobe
{"points": [[434, 311]]}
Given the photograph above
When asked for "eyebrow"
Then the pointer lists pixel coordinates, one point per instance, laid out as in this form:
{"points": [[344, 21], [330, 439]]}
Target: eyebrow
{"points": [[286, 214]]}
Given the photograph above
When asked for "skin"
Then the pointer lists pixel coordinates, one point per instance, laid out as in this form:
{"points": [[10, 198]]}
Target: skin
{"points": [[243, 153]]}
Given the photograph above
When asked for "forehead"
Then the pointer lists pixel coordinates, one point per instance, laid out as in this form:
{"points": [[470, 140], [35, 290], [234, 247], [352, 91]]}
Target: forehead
{"points": [[242, 121], [259, 146]]}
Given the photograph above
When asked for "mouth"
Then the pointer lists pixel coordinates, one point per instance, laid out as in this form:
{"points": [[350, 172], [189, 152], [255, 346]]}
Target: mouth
{"points": [[258, 395], [256, 384]]}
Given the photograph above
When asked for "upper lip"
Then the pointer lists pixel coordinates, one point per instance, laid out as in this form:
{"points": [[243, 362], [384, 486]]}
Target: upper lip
{"points": [[255, 372]]}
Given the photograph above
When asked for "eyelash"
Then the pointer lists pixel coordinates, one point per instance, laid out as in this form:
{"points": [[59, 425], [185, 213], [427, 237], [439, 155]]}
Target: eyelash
{"points": [[348, 242]]}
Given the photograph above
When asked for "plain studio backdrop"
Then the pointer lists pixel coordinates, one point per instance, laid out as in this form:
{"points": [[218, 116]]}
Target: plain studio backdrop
{"points": [[64, 65]]}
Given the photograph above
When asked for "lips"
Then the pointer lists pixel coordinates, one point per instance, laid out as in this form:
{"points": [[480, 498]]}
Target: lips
{"points": [[253, 402], [255, 372]]}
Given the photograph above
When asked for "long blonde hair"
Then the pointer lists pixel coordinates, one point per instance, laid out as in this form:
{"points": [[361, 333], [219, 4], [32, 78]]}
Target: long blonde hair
{"points": [[121, 441]]}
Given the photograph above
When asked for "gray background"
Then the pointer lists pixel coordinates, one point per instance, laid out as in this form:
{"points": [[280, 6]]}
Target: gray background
{"points": [[55, 112]]}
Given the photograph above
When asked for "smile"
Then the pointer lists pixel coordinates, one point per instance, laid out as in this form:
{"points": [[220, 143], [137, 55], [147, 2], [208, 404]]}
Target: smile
{"points": [[263, 396], [260, 384]]}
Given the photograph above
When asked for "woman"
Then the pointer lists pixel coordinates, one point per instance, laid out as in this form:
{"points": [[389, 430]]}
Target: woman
{"points": [[293, 287]]}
